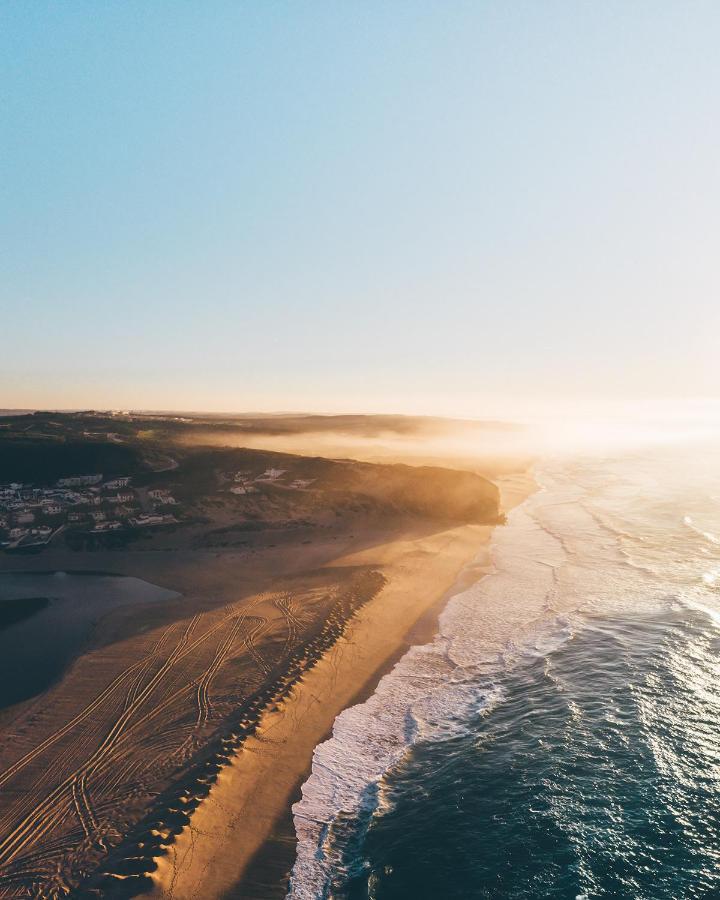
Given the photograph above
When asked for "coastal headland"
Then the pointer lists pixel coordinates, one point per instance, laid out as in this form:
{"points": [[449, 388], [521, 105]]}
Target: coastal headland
{"points": [[185, 721]]}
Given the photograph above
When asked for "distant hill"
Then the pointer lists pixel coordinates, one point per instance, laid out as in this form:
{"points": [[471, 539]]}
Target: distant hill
{"points": [[425, 491], [42, 448]]}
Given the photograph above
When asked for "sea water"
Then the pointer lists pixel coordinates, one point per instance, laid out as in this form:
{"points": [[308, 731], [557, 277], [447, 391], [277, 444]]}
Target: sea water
{"points": [[560, 737]]}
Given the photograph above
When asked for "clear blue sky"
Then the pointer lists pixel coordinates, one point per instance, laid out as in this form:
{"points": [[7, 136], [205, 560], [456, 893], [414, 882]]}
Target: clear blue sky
{"points": [[420, 206]]}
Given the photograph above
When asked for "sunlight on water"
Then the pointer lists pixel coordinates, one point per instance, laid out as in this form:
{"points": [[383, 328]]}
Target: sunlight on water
{"points": [[564, 737]]}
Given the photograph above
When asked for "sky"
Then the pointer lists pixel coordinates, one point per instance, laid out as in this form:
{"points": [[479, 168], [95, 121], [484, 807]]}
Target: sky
{"points": [[442, 207]]}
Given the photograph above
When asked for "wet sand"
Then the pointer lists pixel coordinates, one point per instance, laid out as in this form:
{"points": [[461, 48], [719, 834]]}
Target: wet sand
{"points": [[212, 854]]}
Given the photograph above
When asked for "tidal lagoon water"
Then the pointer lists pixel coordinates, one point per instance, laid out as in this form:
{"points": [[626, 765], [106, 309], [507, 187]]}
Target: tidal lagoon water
{"points": [[560, 737], [46, 619]]}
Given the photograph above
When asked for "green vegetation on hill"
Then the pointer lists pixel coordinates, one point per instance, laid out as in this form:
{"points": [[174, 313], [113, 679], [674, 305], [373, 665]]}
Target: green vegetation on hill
{"points": [[428, 491], [43, 447], [43, 462]]}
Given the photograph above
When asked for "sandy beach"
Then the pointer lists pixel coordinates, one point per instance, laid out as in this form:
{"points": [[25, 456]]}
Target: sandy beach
{"points": [[210, 856], [222, 646]]}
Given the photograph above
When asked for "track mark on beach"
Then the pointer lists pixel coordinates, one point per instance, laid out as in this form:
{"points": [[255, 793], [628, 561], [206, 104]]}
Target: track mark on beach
{"points": [[35, 822], [84, 810], [111, 761], [144, 669], [103, 696], [203, 687], [284, 603], [249, 642]]}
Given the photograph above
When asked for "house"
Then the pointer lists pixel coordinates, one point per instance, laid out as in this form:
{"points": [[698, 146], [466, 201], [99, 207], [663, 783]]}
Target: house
{"points": [[301, 483], [88, 499], [75, 517], [16, 534], [121, 497], [271, 475], [162, 496], [107, 526], [52, 509], [79, 480], [24, 517], [97, 515], [147, 520], [117, 483]]}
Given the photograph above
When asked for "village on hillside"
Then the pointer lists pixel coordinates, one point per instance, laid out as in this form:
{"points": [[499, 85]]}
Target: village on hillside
{"points": [[31, 517]]}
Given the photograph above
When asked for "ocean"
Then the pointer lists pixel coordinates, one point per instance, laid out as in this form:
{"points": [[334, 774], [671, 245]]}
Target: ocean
{"points": [[560, 736]]}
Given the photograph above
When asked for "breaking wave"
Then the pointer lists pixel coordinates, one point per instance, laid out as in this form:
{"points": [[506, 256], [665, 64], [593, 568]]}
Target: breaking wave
{"points": [[580, 552], [430, 695]]}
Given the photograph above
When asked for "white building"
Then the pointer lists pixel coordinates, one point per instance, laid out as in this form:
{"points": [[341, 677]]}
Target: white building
{"points": [[145, 520], [107, 526], [271, 475], [79, 480], [91, 500], [162, 496], [117, 483], [121, 497]]}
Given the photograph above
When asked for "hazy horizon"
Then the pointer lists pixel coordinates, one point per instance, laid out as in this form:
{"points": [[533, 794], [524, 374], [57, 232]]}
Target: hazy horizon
{"points": [[691, 410]]}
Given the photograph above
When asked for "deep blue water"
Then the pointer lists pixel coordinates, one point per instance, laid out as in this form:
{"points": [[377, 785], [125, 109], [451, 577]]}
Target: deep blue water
{"points": [[560, 736], [597, 774]]}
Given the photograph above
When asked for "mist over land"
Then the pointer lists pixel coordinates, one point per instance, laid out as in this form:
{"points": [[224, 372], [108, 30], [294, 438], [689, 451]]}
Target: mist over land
{"points": [[243, 553]]}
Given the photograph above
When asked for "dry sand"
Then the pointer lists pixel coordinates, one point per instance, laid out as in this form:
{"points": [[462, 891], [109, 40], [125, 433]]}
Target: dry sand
{"points": [[211, 855]]}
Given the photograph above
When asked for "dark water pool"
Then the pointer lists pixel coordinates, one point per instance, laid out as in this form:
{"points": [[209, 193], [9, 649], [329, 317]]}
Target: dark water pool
{"points": [[46, 619]]}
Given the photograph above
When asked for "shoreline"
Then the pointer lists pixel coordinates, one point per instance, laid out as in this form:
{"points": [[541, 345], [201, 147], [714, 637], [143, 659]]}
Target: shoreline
{"points": [[229, 830]]}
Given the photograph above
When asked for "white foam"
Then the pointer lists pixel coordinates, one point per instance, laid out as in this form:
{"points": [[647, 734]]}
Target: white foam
{"points": [[708, 535], [599, 535], [429, 696]]}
